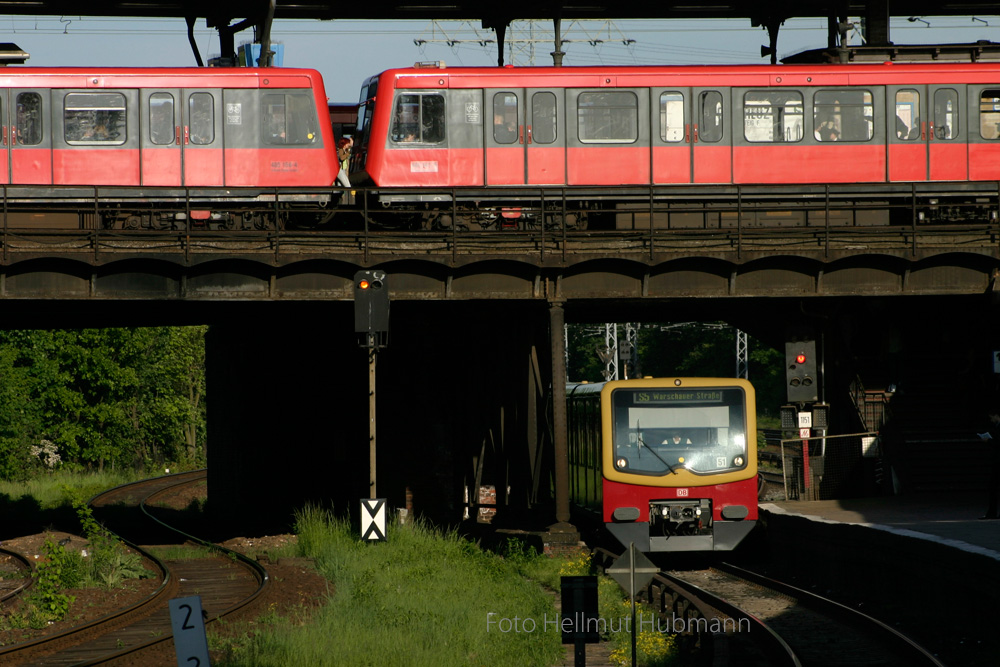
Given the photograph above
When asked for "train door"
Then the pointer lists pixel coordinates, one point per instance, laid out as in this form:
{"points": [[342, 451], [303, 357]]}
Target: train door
{"points": [[161, 137], [545, 141], [524, 141], [201, 137], [927, 137], [505, 139], [711, 141], [27, 137], [608, 140], [984, 133], [671, 135]]}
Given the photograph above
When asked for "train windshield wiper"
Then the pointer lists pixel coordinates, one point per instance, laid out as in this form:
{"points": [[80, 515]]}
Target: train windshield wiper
{"points": [[642, 443]]}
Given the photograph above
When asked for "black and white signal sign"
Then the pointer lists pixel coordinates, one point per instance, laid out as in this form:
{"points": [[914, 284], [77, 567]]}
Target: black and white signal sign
{"points": [[373, 519]]}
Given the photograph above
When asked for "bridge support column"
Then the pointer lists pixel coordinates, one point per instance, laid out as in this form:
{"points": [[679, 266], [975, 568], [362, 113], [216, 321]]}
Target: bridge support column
{"points": [[562, 533]]}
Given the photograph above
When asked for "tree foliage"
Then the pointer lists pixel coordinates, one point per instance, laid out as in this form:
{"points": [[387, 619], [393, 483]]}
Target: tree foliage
{"points": [[688, 349], [118, 397]]}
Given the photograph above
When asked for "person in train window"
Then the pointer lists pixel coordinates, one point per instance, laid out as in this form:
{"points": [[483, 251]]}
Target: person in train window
{"points": [[677, 439]]}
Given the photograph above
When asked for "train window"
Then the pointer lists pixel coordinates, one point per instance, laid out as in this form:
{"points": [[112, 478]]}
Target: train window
{"points": [[907, 115], [989, 114], [611, 117], [289, 119], [843, 115], [543, 118], [505, 118], [671, 117], [161, 119], [710, 113], [659, 430], [772, 116], [201, 118], [945, 113], [419, 119], [94, 118], [29, 119]]}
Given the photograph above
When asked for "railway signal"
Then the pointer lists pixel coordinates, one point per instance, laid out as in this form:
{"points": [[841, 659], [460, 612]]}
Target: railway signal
{"points": [[802, 382], [371, 308]]}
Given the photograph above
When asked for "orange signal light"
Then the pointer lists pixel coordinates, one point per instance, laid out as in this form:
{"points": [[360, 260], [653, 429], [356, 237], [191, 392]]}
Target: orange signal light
{"points": [[800, 358], [364, 284]]}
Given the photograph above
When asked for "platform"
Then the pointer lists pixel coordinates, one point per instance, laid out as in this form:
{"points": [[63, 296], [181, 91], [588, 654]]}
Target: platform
{"points": [[948, 519]]}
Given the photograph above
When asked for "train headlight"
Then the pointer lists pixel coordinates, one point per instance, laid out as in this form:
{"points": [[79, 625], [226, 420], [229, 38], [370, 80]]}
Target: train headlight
{"points": [[621, 463], [738, 462]]}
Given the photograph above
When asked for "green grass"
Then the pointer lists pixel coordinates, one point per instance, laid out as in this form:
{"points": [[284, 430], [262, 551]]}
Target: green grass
{"points": [[48, 490], [421, 598]]}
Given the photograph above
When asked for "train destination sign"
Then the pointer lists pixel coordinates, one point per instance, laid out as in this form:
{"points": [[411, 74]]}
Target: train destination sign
{"points": [[654, 396]]}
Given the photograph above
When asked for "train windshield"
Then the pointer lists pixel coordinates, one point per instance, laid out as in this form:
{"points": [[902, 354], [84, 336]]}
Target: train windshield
{"points": [[658, 431]]}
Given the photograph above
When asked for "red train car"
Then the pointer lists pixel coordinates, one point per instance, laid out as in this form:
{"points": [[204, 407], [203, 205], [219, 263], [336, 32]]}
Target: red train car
{"points": [[603, 126], [163, 128], [669, 463]]}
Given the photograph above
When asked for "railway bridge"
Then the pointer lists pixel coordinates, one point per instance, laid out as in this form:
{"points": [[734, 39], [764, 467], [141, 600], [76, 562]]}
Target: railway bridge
{"points": [[469, 387]]}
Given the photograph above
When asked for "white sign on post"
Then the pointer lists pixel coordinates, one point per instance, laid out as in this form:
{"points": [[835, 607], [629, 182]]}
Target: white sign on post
{"points": [[373, 519], [188, 625]]}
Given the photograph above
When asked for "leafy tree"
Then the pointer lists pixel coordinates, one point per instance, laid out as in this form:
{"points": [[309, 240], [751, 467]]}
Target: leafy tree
{"points": [[691, 348], [119, 397]]}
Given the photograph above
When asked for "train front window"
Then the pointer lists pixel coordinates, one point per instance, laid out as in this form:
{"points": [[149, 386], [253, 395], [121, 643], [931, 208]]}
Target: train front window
{"points": [[418, 119], [660, 431], [94, 119], [772, 116]]}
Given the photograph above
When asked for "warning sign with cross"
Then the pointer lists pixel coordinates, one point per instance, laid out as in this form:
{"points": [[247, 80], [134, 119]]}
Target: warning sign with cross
{"points": [[373, 519]]}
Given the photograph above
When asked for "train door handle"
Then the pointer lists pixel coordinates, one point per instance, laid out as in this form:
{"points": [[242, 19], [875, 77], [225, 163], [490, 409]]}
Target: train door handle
{"points": [[177, 134], [13, 135], [930, 131], [520, 134], [186, 135], [687, 133], [4, 135], [695, 133], [923, 130], [529, 134]]}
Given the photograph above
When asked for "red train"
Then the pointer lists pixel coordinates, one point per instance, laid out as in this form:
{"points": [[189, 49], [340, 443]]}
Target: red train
{"points": [[669, 464], [163, 128], [648, 126]]}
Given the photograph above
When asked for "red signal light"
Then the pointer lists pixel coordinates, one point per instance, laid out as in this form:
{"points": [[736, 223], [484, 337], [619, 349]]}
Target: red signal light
{"points": [[800, 358], [364, 284]]}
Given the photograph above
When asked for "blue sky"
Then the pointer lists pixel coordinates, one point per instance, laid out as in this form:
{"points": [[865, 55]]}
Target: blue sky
{"points": [[346, 52]]}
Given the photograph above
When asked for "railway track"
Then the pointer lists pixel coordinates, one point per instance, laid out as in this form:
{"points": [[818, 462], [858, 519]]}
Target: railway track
{"points": [[737, 617], [226, 582], [15, 574]]}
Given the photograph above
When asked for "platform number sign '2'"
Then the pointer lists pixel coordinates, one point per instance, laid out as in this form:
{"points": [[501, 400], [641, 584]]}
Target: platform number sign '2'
{"points": [[188, 625]]}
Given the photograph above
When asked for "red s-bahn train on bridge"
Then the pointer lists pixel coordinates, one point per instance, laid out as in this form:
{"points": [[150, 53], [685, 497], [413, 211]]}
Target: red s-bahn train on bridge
{"points": [[588, 131], [879, 125]]}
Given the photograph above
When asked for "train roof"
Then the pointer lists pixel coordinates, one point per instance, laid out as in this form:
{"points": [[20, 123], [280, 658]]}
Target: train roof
{"points": [[175, 77]]}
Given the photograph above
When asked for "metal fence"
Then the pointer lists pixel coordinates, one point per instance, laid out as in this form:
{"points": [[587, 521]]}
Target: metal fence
{"points": [[822, 468]]}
